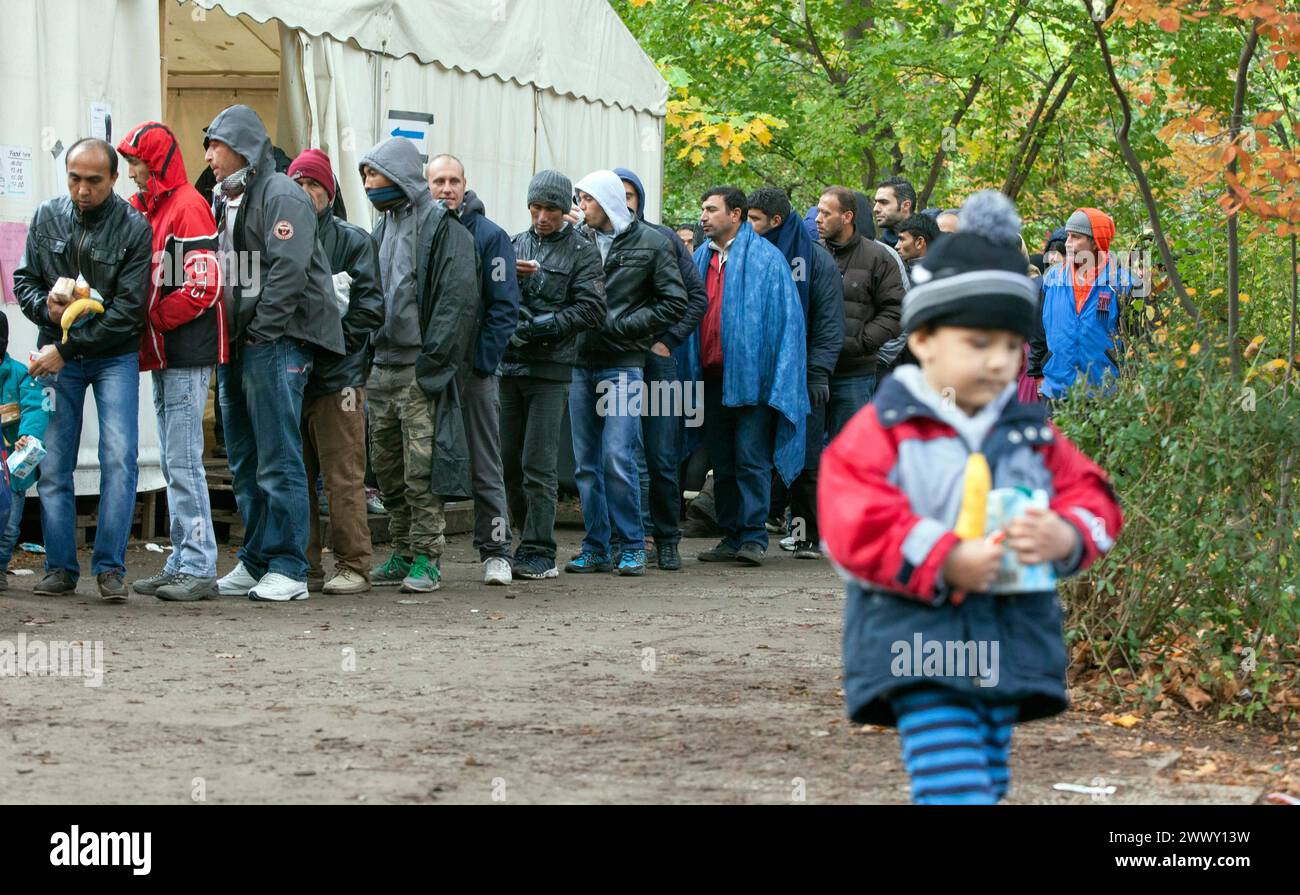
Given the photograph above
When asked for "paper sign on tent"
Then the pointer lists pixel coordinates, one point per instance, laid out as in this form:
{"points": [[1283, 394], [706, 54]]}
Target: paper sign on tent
{"points": [[414, 126]]}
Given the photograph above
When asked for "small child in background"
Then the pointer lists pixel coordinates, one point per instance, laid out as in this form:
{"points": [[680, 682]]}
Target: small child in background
{"points": [[952, 628], [23, 417]]}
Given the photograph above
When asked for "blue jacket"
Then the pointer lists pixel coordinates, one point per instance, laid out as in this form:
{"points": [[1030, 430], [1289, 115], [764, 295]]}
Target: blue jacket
{"points": [[764, 343], [1086, 342], [499, 292], [16, 387]]}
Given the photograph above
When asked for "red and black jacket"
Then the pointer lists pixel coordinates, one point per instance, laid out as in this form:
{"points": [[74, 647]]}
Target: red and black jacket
{"points": [[185, 323]]}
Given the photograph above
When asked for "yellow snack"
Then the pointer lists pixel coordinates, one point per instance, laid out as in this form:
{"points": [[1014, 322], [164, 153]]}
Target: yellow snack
{"points": [[75, 310], [974, 501]]}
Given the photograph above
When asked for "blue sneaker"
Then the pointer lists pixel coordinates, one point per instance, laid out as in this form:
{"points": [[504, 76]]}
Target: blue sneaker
{"points": [[632, 562], [586, 561]]}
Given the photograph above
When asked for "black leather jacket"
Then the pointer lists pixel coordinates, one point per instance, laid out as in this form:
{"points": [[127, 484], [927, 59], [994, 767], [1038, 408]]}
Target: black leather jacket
{"points": [[570, 285], [111, 247], [349, 248], [644, 296]]}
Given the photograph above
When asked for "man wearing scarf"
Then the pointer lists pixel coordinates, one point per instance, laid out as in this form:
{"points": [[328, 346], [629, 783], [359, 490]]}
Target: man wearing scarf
{"points": [[751, 351], [280, 300], [817, 280], [1082, 299], [428, 268]]}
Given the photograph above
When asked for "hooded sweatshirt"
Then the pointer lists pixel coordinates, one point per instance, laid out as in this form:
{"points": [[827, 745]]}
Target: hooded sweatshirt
{"points": [[606, 188], [284, 288], [398, 341], [697, 301], [1085, 269], [185, 323]]}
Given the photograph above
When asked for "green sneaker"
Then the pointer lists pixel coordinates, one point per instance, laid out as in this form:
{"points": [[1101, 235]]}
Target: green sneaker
{"points": [[424, 577], [391, 572]]}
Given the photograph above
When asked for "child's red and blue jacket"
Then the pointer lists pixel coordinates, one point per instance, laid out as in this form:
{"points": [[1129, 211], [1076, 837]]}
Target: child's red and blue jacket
{"points": [[889, 492]]}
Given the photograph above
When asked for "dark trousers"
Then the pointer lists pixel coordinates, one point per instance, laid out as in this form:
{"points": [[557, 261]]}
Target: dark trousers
{"points": [[661, 497], [741, 441], [532, 411]]}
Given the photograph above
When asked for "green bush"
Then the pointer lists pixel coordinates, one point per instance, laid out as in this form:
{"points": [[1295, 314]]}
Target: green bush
{"points": [[1197, 601]]}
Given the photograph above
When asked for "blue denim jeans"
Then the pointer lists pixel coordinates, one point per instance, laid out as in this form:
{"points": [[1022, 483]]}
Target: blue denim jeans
{"points": [[261, 406], [116, 384], [179, 395], [741, 442], [606, 440], [849, 394], [10, 536]]}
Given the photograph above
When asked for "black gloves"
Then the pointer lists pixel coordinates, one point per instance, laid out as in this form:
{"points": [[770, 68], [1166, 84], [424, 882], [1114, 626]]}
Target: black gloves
{"points": [[542, 328], [819, 388]]}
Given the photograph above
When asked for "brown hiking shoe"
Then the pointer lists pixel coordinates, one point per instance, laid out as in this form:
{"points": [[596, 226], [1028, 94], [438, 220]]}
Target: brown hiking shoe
{"points": [[112, 587]]}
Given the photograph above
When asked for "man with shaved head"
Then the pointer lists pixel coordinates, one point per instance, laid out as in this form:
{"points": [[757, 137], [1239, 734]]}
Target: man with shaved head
{"points": [[498, 313], [95, 234]]}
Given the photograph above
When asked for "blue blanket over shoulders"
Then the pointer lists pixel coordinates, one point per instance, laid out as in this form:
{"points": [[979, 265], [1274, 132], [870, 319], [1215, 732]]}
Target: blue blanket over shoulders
{"points": [[764, 344]]}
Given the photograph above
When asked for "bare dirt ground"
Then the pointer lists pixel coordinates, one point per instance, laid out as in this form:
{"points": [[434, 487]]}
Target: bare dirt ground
{"points": [[715, 684]]}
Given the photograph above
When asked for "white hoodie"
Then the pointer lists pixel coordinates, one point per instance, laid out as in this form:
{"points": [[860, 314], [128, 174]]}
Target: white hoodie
{"points": [[606, 188]]}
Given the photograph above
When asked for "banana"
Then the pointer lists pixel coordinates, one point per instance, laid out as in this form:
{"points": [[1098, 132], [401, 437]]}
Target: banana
{"points": [[974, 503], [75, 310]]}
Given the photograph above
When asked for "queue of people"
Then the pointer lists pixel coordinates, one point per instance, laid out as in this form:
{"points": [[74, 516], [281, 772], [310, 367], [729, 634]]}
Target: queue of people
{"points": [[441, 353]]}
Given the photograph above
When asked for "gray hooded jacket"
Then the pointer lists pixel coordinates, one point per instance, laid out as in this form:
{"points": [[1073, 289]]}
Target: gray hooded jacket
{"points": [[286, 290], [429, 246]]}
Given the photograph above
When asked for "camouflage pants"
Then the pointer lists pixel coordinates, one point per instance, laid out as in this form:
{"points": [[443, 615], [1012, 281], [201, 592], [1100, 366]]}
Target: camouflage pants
{"points": [[401, 454]]}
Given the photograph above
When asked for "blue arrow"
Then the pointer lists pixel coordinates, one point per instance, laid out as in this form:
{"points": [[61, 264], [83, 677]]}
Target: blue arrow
{"points": [[410, 135]]}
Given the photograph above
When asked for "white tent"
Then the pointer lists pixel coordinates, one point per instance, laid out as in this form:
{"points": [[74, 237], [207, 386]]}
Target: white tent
{"points": [[508, 86]]}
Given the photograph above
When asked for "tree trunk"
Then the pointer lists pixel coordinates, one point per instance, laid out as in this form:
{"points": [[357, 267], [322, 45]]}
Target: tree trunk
{"points": [[1135, 166], [923, 199], [1234, 131]]}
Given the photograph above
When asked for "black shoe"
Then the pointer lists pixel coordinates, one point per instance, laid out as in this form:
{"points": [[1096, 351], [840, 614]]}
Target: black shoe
{"points": [[807, 550], [775, 525], [60, 581], [720, 553], [751, 554], [112, 588], [668, 559]]}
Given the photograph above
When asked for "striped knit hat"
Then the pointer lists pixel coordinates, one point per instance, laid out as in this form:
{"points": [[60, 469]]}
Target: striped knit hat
{"points": [[976, 277]]}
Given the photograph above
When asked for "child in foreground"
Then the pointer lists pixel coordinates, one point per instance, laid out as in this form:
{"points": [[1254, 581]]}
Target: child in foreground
{"points": [[952, 628]]}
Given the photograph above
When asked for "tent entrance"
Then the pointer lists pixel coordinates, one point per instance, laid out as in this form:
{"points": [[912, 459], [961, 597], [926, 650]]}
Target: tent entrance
{"points": [[212, 60]]}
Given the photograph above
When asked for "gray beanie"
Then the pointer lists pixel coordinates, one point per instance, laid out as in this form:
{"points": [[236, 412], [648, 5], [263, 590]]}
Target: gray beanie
{"points": [[1079, 222], [550, 188]]}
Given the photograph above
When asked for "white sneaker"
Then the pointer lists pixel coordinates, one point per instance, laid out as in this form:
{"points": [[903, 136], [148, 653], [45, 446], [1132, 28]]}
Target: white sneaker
{"points": [[347, 581], [496, 570], [788, 543], [236, 583], [277, 588]]}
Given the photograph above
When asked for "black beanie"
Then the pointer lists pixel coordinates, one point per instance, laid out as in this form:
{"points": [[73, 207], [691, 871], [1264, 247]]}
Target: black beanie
{"points": [[976, 276]]}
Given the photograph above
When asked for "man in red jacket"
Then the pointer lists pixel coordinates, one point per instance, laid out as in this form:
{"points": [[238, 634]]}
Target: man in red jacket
{"points": [[185, 335]]}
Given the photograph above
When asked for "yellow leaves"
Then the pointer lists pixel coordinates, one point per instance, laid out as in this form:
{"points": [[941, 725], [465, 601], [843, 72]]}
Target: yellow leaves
{"points": [[699, 130], [1126, 721], [1265, 119], [1243, 298], [1195, 349]]}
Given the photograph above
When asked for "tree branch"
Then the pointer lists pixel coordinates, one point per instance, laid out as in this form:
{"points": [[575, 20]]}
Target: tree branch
{"points": [[1135, 166]]}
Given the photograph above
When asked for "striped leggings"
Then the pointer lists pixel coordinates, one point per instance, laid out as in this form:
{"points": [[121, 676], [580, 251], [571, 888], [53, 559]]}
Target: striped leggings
{"points": [[954, 748]]}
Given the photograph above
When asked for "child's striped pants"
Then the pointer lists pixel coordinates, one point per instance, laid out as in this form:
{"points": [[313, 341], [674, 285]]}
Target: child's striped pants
{"points": [[955, 748]]}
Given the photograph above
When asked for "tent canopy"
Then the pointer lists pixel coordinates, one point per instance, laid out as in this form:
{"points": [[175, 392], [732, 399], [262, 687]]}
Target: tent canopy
{"points": [[529, 42]]}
